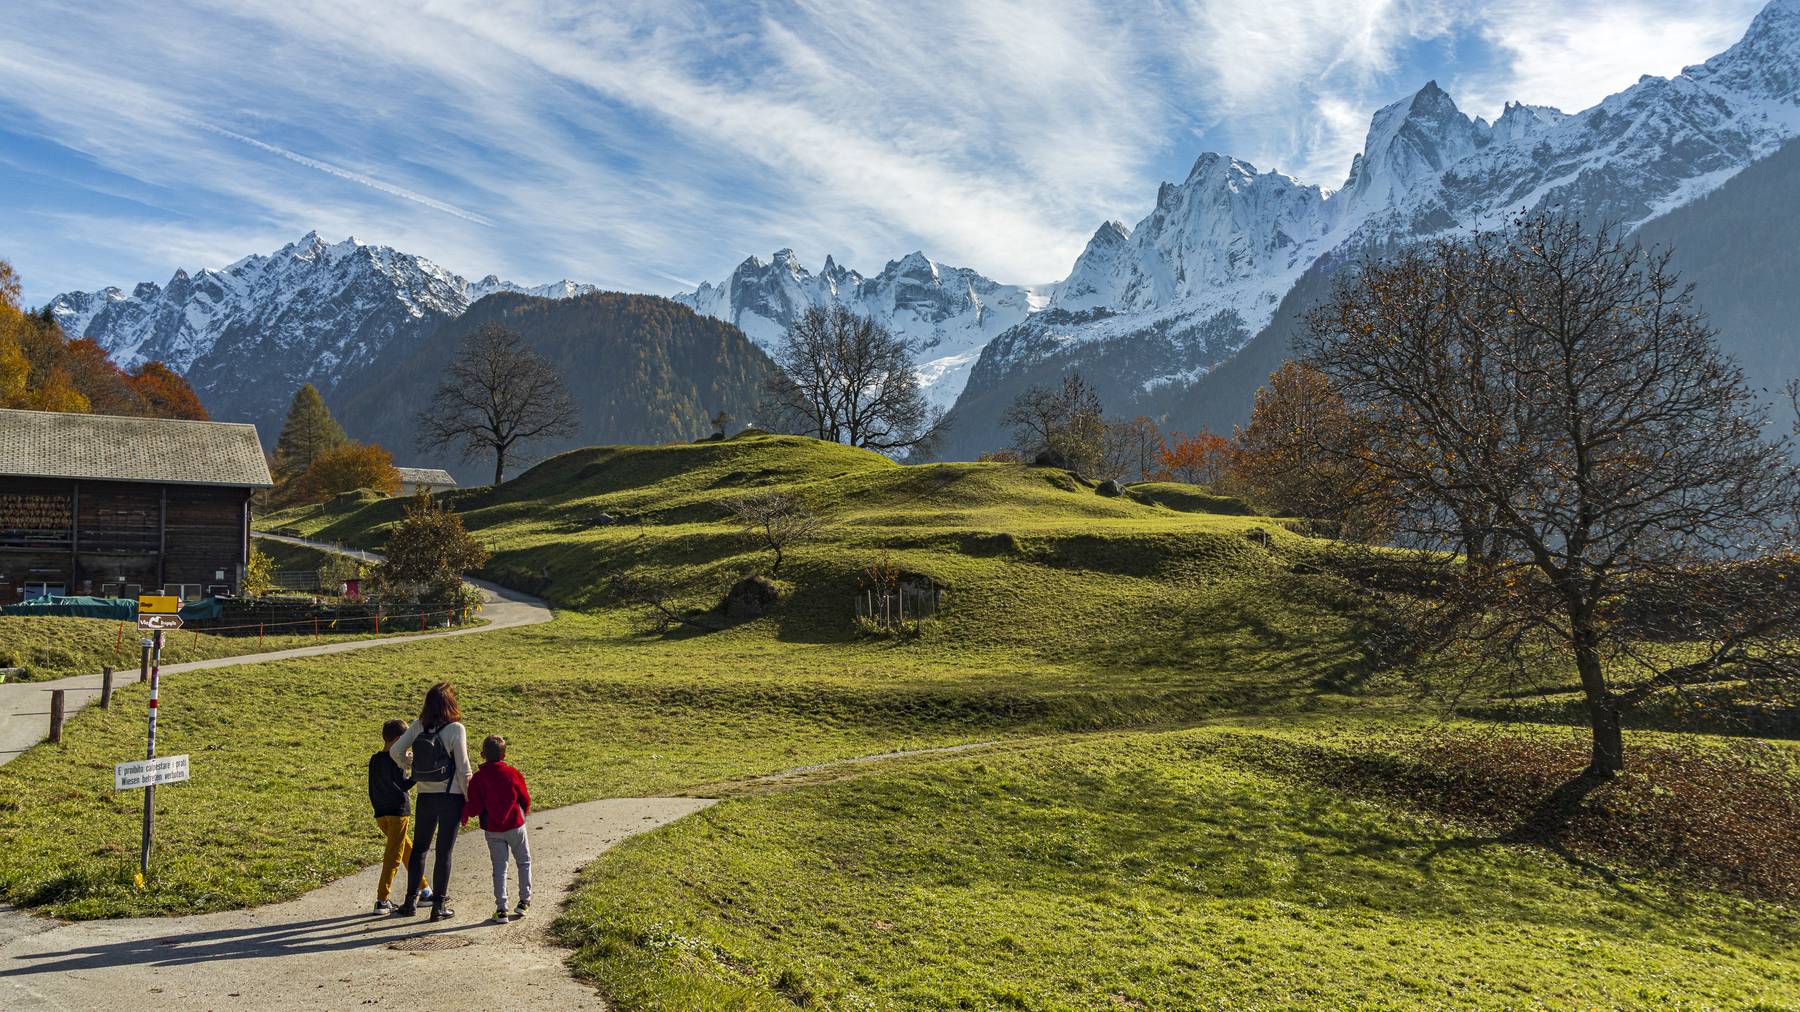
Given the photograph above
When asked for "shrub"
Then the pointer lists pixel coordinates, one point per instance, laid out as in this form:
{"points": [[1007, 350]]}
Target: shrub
{"points": [[428, 553], [259, 574]]}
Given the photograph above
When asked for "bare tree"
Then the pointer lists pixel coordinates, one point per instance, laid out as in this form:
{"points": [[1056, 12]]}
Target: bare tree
{"points": [[1133, 447], [657, 598], [496, 396], [845, 378], [779, 520], [1554, 397], [1061, 425]]}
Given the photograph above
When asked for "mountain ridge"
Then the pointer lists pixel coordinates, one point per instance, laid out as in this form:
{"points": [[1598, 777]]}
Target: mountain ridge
{"points": [[311, 312]]}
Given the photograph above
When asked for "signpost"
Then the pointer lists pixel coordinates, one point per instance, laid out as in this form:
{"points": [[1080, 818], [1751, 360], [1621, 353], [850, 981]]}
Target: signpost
{"points": [[159, 611], [156, 612]]}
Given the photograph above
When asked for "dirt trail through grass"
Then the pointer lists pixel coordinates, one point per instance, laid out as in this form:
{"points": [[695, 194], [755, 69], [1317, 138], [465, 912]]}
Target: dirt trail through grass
{"points": [[25, 707], [326, 950]]}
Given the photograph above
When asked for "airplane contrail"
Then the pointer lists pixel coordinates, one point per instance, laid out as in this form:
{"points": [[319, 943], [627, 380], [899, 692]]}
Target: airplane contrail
{"points": [[346, 174]]}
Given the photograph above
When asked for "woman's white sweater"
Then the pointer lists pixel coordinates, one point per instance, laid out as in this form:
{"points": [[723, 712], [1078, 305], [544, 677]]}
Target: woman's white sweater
{"points": [[455, 741]]}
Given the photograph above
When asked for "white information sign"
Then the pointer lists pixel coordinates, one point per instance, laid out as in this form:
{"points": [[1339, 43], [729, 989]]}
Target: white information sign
{"points": [[167, 769]]}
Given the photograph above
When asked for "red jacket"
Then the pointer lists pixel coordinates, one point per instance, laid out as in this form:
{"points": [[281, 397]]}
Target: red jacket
{"points": [[497, 793]]}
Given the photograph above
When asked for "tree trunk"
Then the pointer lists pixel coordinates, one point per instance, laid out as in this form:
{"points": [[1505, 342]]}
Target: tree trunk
{"points": [[1603, 714], [499, 464]]}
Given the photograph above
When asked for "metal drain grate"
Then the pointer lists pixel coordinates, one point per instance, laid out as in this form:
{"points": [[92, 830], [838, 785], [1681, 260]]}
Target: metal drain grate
{"points": [[429, 943]]}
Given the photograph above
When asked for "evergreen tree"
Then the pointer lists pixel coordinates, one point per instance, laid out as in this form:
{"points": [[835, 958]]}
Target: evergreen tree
{"points": [[309, 431]]}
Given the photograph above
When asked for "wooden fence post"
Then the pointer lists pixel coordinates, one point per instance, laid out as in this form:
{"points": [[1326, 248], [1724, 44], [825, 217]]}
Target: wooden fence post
{"points": [[144, 662], [106, 686], [56, 716]]}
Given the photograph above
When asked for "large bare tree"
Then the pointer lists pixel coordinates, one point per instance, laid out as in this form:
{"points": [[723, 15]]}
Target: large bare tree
{"points": [[1552, 398], [1062, 424], [496, 396], [845, 378]]}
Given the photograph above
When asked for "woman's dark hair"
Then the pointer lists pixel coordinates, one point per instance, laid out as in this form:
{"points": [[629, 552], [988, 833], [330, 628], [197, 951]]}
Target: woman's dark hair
{"points": [[493, 749], [440, 706], [392, 729]]}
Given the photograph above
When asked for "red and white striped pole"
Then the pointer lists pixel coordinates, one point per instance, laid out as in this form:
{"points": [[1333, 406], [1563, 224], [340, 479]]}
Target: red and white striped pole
{"points": [[150, 753]]}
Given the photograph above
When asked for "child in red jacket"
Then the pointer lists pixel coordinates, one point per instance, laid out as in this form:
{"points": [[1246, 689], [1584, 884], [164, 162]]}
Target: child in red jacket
{"points": [[497, 794]]}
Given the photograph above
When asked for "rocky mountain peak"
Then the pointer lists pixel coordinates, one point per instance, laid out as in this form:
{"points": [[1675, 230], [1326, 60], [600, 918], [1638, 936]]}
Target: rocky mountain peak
{"points": [[1410, 142], [1765, 63]]}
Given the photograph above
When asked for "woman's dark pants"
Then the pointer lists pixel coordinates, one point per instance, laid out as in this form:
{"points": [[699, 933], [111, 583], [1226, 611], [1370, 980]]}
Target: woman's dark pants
{"points": [[438, 815]]}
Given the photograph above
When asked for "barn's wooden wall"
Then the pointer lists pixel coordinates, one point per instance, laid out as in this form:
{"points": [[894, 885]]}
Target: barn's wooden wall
{"points": [[95, 537]]}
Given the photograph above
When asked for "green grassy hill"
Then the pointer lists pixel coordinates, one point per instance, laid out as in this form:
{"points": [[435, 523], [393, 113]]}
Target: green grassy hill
{"points": [[1193, 785], [1032, 560]]}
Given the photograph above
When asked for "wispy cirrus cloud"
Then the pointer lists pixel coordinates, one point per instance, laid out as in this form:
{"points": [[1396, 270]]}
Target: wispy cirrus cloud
{"points": [[644, 143], [1573, 53]]}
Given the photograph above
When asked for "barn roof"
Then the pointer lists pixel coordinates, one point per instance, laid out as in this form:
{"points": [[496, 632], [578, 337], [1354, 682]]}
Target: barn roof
{"points": [[174, 451], [425, 476]]}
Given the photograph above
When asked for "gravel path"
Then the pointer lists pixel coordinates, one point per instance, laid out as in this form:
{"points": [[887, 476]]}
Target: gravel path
{"points": [[25, 706], [325, 950]]}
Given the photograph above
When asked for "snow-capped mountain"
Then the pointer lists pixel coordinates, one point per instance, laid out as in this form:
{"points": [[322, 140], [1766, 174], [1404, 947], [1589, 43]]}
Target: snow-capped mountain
{"points": [[309, 293], [948, 313], [246, 336], [1159, 305]]}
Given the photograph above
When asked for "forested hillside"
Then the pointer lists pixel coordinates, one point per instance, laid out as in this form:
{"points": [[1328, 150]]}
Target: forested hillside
{"points": [[640, 368], [1736, 246]]}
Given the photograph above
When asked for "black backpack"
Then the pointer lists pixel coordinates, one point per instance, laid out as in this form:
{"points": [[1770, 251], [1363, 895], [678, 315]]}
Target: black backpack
{"points": [[430, 759]]}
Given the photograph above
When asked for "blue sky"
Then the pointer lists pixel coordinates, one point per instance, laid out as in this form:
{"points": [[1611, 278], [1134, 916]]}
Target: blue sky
{"points": [[650, 145]]}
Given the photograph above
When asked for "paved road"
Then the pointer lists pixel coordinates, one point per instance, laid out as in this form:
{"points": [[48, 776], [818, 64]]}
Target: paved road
{"points": [[325, 950], [25, 706]]}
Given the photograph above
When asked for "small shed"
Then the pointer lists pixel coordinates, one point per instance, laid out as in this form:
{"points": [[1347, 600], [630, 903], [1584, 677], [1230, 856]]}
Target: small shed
{"points": [[414, 480], [117, 506]]}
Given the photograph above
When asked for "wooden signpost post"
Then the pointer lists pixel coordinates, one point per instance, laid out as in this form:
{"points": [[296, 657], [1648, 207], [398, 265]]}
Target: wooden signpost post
{"points": [[156, 613]]}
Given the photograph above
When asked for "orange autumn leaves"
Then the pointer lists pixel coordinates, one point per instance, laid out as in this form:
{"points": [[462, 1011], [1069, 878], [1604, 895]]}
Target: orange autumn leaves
{"points": [[41, 369]]}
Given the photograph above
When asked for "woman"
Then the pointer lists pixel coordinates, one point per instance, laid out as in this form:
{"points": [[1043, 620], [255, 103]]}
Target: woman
{"points": [[440, 766]]}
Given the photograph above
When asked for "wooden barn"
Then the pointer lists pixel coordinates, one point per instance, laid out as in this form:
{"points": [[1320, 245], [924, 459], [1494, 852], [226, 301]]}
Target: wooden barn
{"points": [[115, 506]]}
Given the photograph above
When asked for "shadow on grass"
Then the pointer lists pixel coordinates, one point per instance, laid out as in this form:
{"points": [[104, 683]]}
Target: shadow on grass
{"points": [[298, 938], [1540, 828]]}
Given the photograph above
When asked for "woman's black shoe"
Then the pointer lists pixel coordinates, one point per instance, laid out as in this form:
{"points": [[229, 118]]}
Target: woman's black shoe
{"points": [[442, 913], [405, 910]]}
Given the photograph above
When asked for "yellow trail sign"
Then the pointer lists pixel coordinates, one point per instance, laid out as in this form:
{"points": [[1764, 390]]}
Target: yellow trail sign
{"points": [[158, 604]]}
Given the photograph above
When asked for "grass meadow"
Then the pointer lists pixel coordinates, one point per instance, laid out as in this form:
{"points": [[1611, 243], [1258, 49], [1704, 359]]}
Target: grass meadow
{"points": [[1145, 828]]}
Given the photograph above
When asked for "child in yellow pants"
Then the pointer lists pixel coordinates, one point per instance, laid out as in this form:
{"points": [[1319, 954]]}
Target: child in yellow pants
{"points": [[388, 785]]}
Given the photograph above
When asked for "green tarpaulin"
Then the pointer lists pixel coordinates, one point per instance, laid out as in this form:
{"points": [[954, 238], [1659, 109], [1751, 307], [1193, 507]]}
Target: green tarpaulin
{"points": [[122, 608]]}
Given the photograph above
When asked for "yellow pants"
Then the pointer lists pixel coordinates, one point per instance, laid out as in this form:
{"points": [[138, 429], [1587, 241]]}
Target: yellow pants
{"points": [[395, 854]]}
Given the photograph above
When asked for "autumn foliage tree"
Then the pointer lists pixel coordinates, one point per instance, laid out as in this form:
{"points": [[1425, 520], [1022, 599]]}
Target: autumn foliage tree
{"points": [[346, 468], [1296, 456], [165, 393], [42, 369], [1552, 397], [1202, 458]]}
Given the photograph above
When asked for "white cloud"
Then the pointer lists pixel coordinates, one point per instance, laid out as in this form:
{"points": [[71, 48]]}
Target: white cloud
{"points": [[1292, 84], [1573, 53], [647, 142]]}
